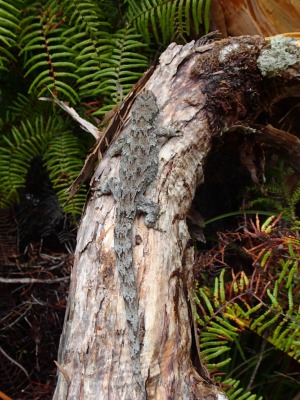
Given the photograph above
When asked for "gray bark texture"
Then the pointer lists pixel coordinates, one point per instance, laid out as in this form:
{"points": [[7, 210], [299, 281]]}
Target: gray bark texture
{"points": [[203, 90]]}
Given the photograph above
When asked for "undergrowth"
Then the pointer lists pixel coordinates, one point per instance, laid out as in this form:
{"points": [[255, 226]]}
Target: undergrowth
{"points": [[248, 313]]}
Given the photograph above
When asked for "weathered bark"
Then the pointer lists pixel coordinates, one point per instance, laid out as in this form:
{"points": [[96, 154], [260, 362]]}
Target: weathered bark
{"points": [[202, 91]]}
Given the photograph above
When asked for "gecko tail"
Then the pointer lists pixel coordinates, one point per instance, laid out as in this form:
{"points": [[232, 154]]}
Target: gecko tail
{"points": [[135, 346]]}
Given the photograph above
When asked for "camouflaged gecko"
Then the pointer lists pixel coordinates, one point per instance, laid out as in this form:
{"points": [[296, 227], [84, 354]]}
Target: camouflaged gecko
{"points": [[139, 151]]}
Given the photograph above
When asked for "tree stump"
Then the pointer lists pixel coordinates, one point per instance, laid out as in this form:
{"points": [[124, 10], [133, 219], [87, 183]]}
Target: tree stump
{"points": [[204, 89]]}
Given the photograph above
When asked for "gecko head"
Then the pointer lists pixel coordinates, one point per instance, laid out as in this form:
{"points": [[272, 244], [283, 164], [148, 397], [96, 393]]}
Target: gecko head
{"points": [[145, 106]]}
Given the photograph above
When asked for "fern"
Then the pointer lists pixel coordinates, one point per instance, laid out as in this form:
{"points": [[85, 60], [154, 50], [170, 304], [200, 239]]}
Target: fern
{"points": [[236, 393], [26, 107], [16, 152], [167, 18], [87, 52], [233, 307], [67, 149], [9, 27], [121, 67], [223, 327], [88, 36], [45, 55], [48, 140]]}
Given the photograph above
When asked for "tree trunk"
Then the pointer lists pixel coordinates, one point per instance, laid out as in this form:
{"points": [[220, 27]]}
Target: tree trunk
{"points": [[202, 90], [255, 17]]}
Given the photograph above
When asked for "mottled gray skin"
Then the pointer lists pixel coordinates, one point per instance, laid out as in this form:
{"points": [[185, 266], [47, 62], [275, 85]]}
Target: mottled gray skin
{"points": [[138, 169]]}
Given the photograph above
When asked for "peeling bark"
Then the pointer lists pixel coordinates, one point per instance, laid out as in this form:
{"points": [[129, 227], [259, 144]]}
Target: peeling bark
{"points": [[201, 93]]}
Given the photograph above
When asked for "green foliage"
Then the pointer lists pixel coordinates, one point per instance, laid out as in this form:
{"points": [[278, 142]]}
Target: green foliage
{"points": [[49, 140], [88, 53], [168, 19], [47, 61], [9, 28], [120, 68], [18, 149], [264, 302], [63, 159], [281, 192], [234, 392]]}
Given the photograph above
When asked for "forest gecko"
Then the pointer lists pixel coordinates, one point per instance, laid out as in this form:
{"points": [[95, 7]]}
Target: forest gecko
{"points": [[139, 151]]}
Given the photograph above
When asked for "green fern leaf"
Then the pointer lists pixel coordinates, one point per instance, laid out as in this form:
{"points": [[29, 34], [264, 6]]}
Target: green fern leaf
{"points": [[276, 318], [63, 160], [167, 18], [233, 391], [24, 107], [88, 36], [46, 58], [9, 28], [16, 152], [118, 67]]}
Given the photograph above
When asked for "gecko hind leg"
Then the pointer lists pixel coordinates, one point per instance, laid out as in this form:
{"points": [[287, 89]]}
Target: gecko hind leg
{"points": [[150, 208]]}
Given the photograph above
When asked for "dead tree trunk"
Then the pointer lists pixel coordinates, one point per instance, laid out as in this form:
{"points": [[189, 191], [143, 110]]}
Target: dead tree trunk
{"points": [[203, 90]]}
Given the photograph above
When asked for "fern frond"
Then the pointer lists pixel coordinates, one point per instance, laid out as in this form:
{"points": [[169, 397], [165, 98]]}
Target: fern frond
{"points": [[234, 391], [59, 148], [84, 16], [230, 308], [46, 58], [88, 36], [24, 143], [9, 27], [24, 107], [168, 18], [63, 160], [119, 67], [215, 333]]}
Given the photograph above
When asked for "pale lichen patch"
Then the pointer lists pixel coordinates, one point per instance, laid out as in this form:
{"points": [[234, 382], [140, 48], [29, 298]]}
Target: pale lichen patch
{"points": [[283, 53]]}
